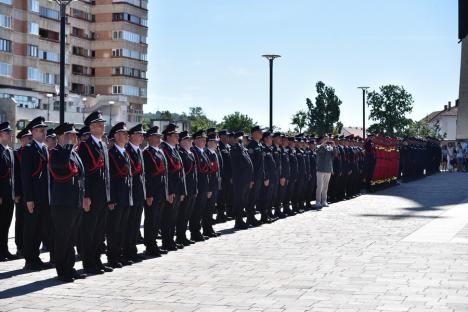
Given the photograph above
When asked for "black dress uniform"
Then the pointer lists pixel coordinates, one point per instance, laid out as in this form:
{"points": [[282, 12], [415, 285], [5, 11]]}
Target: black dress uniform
{"points": [[121, 192], [93, 154], [20, 209], [203, 180], [271, 173], [242, 177], [298, 196], [226, 184], [188, 204], [293, 176], [176, 187], [66, 200], [213, 187], [35, 182], [139, 195], [276, 192], [156, 188], [256, 153], [283, 199], [7, 193]]}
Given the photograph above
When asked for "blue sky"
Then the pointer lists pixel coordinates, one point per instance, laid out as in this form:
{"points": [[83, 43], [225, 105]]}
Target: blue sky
{"points": [[208, 53]]}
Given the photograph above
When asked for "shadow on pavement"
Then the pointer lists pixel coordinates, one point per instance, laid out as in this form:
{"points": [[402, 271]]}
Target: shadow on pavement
{"points": [[29, 288]]}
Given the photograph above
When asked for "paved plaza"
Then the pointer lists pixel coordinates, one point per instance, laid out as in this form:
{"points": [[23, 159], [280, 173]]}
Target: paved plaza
{"points": [[401, 249]]}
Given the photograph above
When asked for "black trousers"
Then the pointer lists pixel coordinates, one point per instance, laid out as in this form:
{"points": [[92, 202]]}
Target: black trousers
{"points": [[36, 229], [92, 231], [6, 215], [198, 212], [168, 221], [289, 194], [265, 201], [152, 225], [207, 218], [133, 228], [240, 197], [65, 220], [117, 231], [253, 198], [281, 195], [185, 211], [20, 210]]}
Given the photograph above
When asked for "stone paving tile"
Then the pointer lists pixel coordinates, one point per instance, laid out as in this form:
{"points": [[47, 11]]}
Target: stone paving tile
{"points": [[348, 257]]}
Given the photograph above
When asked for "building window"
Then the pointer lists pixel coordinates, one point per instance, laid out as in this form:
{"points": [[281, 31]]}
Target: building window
{"points": [[116, 89], [5, 45], [49, 56], [48, 78], [5, 69], [138, 3], [33, 50], [34, 28], [128, 36], [34, 74], [5, 21], [34, 6], [49, 13]]}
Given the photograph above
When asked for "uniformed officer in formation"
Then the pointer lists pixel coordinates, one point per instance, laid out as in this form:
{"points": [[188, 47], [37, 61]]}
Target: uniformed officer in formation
{"points": [[180, 181]]}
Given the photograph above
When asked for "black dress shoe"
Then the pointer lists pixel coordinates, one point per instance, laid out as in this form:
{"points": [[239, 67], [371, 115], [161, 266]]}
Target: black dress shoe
{"points": [[106, 268], [170, 247], [127, 262], [34, 266], [211, 234], [45, 266], [197, 237], [93, 271], [153, 253], [65, 279], [115, 265], [3, 259], [163, 251], [9, 256], [253, 222], [241, 225], [77, 275], [179, 246], [137, 258]]}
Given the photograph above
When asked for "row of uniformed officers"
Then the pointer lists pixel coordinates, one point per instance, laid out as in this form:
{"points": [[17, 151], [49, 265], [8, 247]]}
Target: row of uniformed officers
{"points": [[84, 191]]}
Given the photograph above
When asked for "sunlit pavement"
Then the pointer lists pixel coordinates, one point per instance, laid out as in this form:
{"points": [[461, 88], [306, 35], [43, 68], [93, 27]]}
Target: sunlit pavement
{"points": [[401, 249]]}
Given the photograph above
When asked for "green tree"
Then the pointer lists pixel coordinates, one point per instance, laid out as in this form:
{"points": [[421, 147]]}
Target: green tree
{"points": [[389, 107], [424, 129], [198, 119], [299, 120], [236, 122], [325, 112]]}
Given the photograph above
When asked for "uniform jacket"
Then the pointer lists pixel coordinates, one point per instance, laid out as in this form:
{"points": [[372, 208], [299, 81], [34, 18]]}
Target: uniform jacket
{"points": [[138, 173], [156, 176], [242, 167], [190, 169], [257, 156], [95, 160], [175, 170], [67, 176], [35, 174], [120, 170], [7, 173]]}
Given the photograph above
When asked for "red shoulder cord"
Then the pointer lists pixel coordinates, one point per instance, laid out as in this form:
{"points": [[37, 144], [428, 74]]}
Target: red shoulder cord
{"points": [[39, 167], [214, 166], [138, 167], [121, 172], [96, 163], [174, 163], [202, 169], [190, 170], [159, 168], [72, 168]]}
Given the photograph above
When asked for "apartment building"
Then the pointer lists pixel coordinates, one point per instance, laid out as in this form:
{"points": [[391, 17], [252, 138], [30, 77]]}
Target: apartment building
{"points": [[106, 59]]}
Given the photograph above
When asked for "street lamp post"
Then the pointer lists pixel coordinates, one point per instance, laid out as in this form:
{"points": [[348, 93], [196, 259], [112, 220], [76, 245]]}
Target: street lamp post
{"points": [[63, 18], [271, 58], [49, 96], [110, 112], [364, 90], [84, 107]]}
